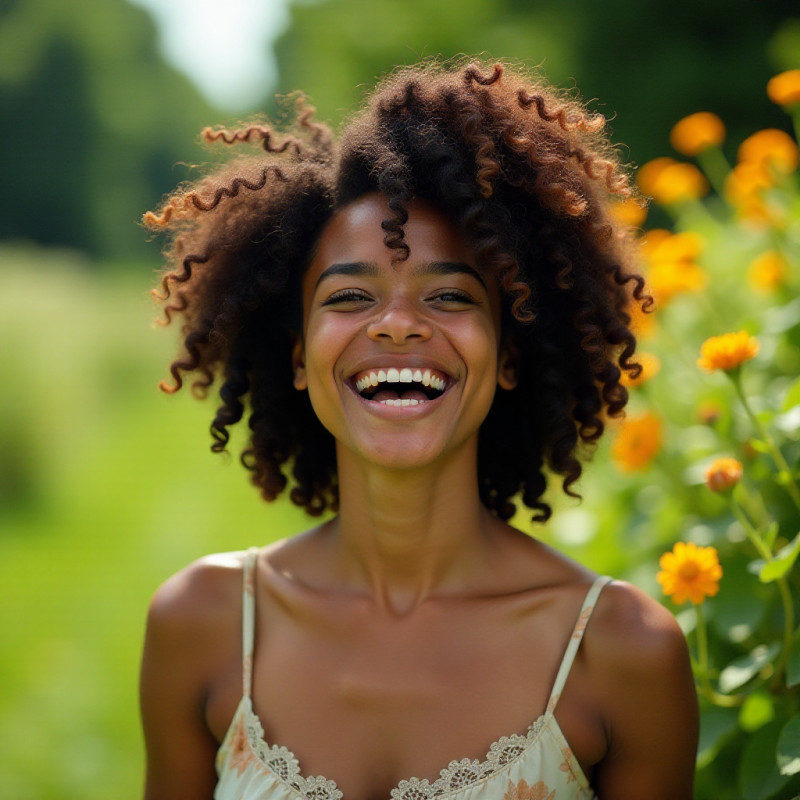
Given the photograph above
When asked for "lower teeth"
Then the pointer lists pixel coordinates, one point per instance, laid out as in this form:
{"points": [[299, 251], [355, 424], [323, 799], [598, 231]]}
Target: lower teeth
{"points": [[401, 402]]}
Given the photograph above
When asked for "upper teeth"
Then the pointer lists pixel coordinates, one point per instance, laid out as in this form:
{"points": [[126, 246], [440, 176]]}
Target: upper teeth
{"points": [[405, 375]]}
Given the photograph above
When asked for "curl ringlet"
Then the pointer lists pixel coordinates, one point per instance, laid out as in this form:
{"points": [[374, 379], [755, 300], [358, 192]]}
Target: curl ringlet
{"points": [[529, 175]]}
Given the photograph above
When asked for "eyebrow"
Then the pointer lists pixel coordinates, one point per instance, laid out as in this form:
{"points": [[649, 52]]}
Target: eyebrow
{"points": [[364, 268]]}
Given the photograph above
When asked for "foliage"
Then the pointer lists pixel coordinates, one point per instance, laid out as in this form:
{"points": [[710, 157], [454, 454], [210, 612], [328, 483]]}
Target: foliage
{"points": [[95, 120], [106, 488], [645, 71], [726, 335]]}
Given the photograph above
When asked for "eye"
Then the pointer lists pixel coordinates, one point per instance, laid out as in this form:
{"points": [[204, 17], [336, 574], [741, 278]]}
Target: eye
{"points": [[344, 296], [448, 297]]}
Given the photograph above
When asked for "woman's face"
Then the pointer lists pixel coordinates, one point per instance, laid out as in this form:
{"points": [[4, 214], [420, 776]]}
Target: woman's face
{"points": [[400, 361]]}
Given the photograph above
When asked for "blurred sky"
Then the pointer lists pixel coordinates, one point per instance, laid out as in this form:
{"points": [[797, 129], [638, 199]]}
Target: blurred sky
{"points": [[224, 46]]}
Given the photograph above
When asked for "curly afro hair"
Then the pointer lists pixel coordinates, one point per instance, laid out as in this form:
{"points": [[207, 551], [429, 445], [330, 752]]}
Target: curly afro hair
{"points": [[526, 173]]}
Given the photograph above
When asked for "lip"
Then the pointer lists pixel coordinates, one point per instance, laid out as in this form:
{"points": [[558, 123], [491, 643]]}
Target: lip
{"points": [[412, 362], [403, 412]]}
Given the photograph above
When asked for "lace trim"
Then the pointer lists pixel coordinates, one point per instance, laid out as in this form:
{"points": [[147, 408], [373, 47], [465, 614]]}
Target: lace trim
{"points": [[455, 776]]}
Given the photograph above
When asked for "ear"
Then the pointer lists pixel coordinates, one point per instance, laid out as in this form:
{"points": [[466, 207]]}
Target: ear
{"points": [[508, 361], [299, 366]]}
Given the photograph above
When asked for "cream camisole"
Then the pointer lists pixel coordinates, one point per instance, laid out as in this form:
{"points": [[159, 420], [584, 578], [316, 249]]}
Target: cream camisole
{"points": [[536, 765]]}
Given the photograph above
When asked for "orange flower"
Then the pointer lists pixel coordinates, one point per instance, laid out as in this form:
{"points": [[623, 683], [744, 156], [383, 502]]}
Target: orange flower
{"points": [[638, 442], [521, 791], [671, 268], [727, 352], [770, 146], [648, 174], [768, 271], [629, 212], [642, 324], [744, 189], [723, 474], [668, 181], [697, 132], [650, 367], [784, 89], [689, 572]]}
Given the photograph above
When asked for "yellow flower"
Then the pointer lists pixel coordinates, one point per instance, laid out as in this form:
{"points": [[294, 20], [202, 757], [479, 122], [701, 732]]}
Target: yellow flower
{"points": [[697, 132], [727, 352], [689, 572], [637, 443], [668, 279], [770, 147], [668, 181], [686, 246], [650, 367], [768, 271], [723, 474], [671, 267], [744, 188], [642, 324], [629, 212], [784, 89], [648, 174]]}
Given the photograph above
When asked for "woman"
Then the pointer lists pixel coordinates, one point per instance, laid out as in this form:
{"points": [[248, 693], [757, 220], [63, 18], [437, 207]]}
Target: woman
{"points": [[422, 318]]}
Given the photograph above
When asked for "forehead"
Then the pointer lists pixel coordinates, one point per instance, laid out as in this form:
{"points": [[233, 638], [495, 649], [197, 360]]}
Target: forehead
{"points": [[354, 233]]}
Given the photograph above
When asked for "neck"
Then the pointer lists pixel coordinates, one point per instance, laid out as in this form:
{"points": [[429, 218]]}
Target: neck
{"points": [[406, 534]]}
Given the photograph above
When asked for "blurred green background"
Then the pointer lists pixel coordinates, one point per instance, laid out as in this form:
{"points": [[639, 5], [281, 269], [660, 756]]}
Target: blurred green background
{"points": [[108, 486]]}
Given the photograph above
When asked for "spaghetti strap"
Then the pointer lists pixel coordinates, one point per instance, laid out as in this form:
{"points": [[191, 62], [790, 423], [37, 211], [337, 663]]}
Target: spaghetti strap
{"points": [[248, 618], [575, 640]]}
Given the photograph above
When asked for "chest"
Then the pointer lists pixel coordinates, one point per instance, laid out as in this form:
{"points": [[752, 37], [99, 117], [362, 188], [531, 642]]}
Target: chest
{"points": [[369, 702]]}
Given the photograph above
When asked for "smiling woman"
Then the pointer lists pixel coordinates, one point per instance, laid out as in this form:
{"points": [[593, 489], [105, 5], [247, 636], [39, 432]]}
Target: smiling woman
{"points": [[422, 318]]}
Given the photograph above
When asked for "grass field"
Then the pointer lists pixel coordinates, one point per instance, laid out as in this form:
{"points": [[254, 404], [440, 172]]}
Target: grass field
{"points": [[106, 488]]}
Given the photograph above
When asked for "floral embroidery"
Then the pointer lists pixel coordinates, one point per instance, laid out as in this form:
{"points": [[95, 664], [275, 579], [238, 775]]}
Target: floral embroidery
{"points": [[539, 791], [566, 765], [583, 621], [240, 755]]}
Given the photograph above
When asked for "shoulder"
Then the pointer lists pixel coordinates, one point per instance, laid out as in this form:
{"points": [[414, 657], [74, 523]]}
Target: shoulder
{"points": [[638, 665], [200, 599], [630, 627]]}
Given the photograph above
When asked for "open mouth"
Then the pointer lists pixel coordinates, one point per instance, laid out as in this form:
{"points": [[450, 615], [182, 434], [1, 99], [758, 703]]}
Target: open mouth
{"points": [[400, 387]]}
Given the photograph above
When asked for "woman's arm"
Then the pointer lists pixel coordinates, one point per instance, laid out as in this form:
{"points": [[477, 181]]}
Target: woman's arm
{"points": [[181, 648], [647, 698]]}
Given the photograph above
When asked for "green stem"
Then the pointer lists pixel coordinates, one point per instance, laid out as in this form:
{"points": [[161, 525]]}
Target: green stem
{"points": [[783, 589], [795, 115], [788, 630], [774, 450], [709, 692], [716, 167], [752, 534]]}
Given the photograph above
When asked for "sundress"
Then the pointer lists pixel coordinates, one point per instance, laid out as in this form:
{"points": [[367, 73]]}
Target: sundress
{"points": [[535, 765]]}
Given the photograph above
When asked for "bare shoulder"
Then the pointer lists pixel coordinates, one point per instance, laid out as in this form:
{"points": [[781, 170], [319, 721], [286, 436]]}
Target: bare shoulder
{"points": [[199, 597], [631, 631], [638, 668]]}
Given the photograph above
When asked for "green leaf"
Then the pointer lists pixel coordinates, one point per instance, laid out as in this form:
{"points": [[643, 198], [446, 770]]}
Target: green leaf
{"points": [[781, 563], [789, 747], [759, 446], [743, 669], [717, 725], [792, 396], [759, 777], [783, 477], [793, 666], [756, 712], [771, 534]]}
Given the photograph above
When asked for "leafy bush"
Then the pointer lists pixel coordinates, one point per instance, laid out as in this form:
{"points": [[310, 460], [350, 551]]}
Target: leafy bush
{"points": [[715, 421]]}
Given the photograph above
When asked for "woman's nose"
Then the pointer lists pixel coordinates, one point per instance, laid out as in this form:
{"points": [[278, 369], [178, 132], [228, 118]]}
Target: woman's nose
{"points": [[398, 322]]}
